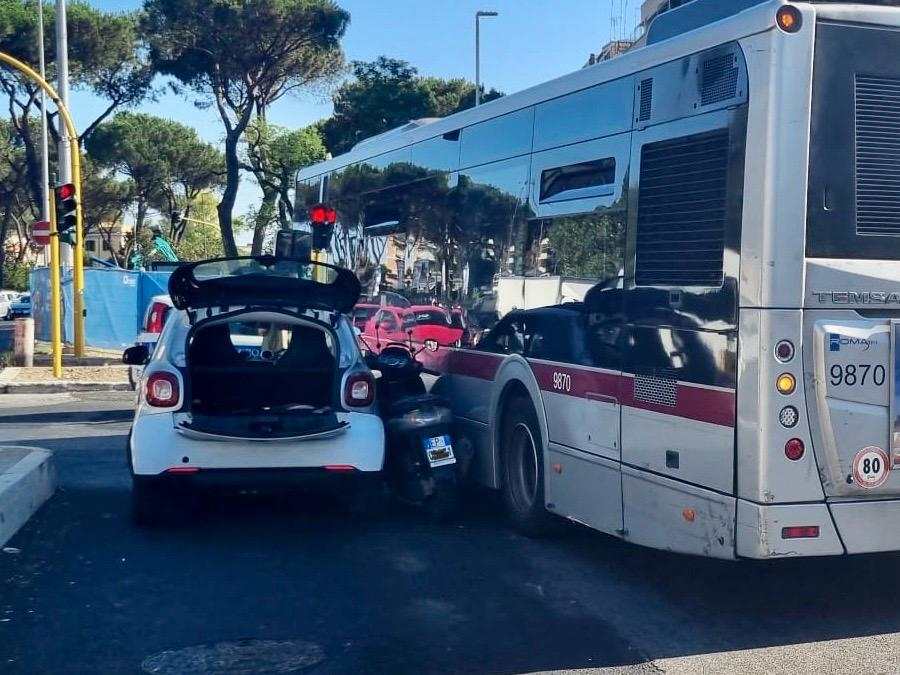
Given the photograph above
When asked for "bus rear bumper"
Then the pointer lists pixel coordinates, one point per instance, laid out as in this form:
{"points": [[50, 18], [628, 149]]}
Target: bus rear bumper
{"points": [[868, 527], [761, 533]]}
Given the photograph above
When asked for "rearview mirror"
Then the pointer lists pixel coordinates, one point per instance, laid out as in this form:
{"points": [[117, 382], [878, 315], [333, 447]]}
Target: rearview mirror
{"points": [[431, 345], [137, 355]]}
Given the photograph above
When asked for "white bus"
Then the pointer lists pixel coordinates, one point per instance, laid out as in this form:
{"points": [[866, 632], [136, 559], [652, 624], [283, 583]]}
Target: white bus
{"points": [[680, 270]]}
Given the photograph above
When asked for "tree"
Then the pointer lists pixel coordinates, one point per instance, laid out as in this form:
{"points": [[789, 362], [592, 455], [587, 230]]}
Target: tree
{"points": [[166, 162], [242, 57], [274, 155], [202, 240], [106, 198], [105, 58], [387, 93]]}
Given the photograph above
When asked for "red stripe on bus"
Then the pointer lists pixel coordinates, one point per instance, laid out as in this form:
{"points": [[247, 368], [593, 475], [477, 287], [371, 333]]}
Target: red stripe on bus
{"points": [[693, 402], [474, 364]]}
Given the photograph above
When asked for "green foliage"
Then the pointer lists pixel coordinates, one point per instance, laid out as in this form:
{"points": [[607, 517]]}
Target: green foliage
{"points": [[202, 239], [105, 57], [587, 247], [241, 57], [15, 273], [165, 162], [387, 93]]}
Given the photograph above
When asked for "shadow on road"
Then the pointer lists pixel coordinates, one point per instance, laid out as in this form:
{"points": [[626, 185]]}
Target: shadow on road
{"points": [[71, 417], [396, 594]]}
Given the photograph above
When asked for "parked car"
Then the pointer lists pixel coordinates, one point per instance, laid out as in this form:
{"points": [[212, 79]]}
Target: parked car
{"points": [[415, 325], [362, 312], [7, 298], [154, 319], [297, 410], [21, 306]]}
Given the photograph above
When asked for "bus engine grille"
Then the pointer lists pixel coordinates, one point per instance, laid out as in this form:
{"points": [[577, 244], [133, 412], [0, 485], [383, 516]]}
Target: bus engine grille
{"points": [[682, 211], [877, 155]]}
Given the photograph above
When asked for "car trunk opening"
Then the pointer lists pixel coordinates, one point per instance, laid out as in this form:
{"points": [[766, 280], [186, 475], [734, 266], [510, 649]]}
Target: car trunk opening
{"points": [[262, 375]]}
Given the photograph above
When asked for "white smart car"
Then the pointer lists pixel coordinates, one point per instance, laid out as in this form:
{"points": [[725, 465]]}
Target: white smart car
{"points": [[256, 379]]}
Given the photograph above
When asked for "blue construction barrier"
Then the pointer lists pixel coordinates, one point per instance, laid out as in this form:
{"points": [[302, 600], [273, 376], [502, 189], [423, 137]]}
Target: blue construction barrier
{"points": [[115, 301]]}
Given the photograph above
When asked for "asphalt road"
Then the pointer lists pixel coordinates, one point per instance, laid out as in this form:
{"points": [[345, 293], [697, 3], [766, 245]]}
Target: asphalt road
{"points": [[260, 584]]}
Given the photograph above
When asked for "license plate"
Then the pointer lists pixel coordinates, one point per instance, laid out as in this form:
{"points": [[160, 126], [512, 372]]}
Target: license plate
{"points": [[438, 450]]}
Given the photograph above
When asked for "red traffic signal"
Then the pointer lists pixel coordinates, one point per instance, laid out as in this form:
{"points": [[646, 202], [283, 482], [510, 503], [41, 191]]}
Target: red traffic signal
{"points": [[320, 215], [65, 191]]}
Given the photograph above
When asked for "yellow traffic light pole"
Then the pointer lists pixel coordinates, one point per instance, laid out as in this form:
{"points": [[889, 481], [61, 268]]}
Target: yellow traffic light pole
{"points": [[78, 253]]}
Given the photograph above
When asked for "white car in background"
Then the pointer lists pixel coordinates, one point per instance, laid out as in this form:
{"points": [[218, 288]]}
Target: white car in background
{"points": [[7, 298], [256, 379]]}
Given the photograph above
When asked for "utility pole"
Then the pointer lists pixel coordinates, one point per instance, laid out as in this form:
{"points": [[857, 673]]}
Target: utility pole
{"points": [[478, 16], [62, 88], [45, 147]]}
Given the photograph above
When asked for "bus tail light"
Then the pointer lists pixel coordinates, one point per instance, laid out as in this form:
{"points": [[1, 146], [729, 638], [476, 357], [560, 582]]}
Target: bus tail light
{"points": [[359, 391], [789, 19], [162, 390], [784, 351], [786, 384], [800, 532], [794, 449]]}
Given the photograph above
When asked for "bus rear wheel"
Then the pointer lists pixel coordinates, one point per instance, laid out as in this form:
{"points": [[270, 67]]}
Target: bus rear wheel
{"points": [[523, 469]]}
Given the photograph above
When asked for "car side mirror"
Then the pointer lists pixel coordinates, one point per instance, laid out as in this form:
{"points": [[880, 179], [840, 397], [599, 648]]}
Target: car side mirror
{"points": [[137, 355]]}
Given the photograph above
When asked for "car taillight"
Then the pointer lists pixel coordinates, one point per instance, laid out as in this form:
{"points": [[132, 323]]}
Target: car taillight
{"points": [[359, 390], [156, 319], [162, 390]]}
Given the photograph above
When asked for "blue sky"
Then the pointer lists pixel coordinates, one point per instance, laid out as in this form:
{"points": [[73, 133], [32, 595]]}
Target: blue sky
{"points": [[530, 42]]}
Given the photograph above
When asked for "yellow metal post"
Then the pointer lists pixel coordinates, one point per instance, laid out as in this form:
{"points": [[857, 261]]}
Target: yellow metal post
{"points": [[78, 253], [55, 304]]}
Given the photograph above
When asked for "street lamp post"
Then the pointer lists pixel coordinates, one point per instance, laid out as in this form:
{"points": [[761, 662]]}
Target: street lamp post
{"points": [[478, 16]]}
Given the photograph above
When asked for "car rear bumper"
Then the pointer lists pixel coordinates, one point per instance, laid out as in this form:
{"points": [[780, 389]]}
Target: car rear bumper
{"points": [[156, 447], [315, 480]]}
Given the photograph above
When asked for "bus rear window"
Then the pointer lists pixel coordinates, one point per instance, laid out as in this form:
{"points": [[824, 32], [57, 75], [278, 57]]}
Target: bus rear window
{"points": [[853, 206]]}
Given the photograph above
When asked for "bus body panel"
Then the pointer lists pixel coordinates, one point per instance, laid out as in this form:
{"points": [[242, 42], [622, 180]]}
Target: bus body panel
{"points": [[760, 530], [764, 473], [584, 488], [868, 527], [673, 516]]}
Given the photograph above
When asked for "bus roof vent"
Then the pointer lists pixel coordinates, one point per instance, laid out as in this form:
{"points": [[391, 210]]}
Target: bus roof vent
{"points": [[877, 155], [682, 211], [719, 78], [646, 101]]}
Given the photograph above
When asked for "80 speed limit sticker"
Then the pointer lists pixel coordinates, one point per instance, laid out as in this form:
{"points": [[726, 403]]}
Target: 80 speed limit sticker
{"points": [[870, 467]]}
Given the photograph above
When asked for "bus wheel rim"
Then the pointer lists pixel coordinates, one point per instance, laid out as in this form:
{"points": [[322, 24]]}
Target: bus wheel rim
{"points": [[526, 466]]}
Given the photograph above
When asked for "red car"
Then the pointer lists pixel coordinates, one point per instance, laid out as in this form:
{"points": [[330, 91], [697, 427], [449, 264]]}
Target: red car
{"points": [[361, 313], [390, 325]]}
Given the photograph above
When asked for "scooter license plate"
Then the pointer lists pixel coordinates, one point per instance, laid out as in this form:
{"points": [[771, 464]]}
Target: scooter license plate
{"points": [[438, 450]]}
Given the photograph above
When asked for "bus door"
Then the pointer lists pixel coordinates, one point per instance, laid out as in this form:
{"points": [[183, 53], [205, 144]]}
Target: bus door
{"points": [[581, 403]]}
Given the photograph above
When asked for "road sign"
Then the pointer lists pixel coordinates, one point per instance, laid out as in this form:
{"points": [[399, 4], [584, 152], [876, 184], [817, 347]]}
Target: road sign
{"points": [[40, 232]]}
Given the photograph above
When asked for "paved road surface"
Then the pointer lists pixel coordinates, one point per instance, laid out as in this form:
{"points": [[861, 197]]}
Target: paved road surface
{"points": [[295, 584]]}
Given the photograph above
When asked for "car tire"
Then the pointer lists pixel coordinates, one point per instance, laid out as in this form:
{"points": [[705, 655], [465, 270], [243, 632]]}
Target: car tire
{"points": [[522, 466]]}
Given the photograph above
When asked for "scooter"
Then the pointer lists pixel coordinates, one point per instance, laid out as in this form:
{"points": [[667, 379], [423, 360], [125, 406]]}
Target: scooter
{"points": [[420, 463]]}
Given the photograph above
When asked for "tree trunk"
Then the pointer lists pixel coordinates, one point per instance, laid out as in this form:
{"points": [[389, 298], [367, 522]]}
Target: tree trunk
{"points": [[229, 195], [140, 216], [264, 217]]}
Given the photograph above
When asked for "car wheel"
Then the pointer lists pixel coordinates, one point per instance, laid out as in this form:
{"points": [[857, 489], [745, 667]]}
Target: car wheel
{"points": [[522, 457]]}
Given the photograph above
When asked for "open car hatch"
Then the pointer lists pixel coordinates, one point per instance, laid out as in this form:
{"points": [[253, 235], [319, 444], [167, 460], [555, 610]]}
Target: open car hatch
{"points": [[263, 281]]}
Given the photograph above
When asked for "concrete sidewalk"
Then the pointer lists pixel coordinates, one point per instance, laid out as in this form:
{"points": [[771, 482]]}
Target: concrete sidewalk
{"points": [[39, 380], [27, 480]]}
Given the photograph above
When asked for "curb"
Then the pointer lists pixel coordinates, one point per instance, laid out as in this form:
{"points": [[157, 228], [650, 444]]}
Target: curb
{"points": [[59, 387], [24, 487]]}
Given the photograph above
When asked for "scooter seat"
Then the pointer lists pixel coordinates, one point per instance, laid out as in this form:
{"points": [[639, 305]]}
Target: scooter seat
{"points": [[409, 403]]}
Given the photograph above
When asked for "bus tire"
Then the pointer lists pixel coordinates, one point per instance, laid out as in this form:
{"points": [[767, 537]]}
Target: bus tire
{"points": [[522, 456]]}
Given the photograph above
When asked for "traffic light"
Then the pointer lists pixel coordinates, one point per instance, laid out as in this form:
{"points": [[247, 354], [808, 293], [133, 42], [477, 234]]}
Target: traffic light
{"points": [[322, 219], [66, 213]]}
